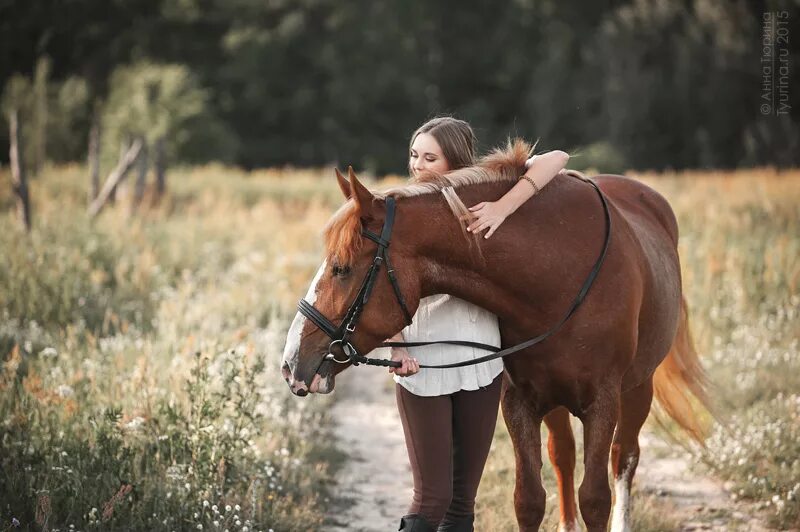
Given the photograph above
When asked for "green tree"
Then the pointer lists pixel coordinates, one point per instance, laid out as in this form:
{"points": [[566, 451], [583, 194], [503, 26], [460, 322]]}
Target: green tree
{"points": [[152, 101]]}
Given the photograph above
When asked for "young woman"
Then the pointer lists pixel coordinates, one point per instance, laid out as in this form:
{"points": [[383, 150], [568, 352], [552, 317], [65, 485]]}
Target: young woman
{"points": [[449, 415]]}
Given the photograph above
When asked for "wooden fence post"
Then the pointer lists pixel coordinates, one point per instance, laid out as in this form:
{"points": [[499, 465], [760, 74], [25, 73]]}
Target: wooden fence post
{"points": [[19, 180], [141, 178], [94, 156], [115, 177], [160, 168]]}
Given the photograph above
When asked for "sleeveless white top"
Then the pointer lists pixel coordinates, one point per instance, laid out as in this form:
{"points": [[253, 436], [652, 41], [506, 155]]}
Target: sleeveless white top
{"points": [[445, 317]]}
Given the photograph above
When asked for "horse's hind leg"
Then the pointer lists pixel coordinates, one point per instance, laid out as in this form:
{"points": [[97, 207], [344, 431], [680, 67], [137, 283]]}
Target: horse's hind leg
{"points": [[561, 447], [594, 494], [634, 408], [525, 430]]}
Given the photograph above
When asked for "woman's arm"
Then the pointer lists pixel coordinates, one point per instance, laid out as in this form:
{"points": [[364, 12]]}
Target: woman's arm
{"points": [[542, 168]]}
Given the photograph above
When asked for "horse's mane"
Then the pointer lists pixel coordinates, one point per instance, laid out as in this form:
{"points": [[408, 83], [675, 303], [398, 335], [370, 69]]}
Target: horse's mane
{"points": [[343, 231]]}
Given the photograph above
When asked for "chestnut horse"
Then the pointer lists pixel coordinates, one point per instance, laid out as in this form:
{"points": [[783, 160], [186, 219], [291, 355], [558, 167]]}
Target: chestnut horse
{"points": [[628, 341]]}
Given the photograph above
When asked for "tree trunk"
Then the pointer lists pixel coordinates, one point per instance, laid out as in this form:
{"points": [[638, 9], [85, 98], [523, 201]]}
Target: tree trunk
{"points": [[161, 169], [141, 178], [19, 181], [115, 177], [94, 157]]}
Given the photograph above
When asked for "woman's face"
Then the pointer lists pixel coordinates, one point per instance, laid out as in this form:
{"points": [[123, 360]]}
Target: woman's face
{"points": [[426, 154]]}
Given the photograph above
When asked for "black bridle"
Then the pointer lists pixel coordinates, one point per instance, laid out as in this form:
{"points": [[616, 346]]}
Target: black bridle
{"points": [[340, 336]]}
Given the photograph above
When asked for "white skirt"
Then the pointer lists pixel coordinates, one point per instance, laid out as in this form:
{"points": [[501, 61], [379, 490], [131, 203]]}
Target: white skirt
{"points": [[444, 317]]}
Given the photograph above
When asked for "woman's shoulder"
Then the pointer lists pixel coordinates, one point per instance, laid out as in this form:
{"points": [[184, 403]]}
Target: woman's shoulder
{"points": [[451, 305]]}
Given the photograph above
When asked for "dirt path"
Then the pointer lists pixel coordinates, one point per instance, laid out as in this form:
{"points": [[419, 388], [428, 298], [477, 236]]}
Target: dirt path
{"points": [[698, 501], [375, 483]]}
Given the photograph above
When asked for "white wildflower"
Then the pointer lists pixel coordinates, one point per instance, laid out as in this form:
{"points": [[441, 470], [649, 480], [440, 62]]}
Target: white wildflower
{"points": [[134, 424]]}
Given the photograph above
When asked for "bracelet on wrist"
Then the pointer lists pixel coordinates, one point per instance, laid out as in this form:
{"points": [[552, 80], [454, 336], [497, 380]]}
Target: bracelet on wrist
{"points": [[530, 180]]}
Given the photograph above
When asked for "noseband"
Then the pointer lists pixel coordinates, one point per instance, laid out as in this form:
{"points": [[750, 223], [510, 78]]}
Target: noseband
{"points": [[340, 335]]}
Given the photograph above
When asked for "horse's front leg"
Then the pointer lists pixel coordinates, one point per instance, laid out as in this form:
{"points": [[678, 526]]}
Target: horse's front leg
{"points": [[525, 430]]}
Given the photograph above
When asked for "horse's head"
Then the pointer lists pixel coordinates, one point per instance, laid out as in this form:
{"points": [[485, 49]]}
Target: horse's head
{"points": [[338, 283]]}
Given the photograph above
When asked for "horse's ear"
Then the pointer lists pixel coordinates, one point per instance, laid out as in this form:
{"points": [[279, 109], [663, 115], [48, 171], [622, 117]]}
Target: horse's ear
{"points": [[343, 184], [364, 198]]}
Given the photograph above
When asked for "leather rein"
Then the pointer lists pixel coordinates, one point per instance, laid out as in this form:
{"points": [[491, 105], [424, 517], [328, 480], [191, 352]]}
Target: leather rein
{"points": [[340, 335]]}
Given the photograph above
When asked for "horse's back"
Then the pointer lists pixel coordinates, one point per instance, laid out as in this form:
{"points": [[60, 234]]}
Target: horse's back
{"points": [[639, 202]]}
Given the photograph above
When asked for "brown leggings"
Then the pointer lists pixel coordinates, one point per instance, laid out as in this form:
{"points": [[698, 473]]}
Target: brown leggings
{"points": [[448, 439]]}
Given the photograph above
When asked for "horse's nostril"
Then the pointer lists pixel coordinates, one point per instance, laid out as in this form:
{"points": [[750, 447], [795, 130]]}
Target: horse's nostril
{"points": [[285, 371], [301, 392]]}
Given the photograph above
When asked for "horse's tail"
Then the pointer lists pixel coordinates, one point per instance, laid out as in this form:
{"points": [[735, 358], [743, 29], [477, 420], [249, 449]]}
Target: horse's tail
{"points": [[681, 376]]}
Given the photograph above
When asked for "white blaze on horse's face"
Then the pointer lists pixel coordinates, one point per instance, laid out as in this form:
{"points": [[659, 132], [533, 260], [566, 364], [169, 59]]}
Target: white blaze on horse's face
{"points": [[291, 352]]}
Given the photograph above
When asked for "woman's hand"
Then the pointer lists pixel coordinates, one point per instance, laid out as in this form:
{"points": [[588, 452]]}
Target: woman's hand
{"points": [[410, 365], [490, 214]]}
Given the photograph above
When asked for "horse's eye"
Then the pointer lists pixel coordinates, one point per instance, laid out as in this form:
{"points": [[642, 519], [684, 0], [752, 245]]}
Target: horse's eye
{"points": [[340, 271]]}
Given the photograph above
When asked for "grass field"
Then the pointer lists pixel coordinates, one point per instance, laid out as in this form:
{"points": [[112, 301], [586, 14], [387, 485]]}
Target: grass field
{"points": [[139, 386]]}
